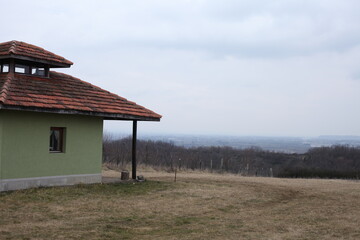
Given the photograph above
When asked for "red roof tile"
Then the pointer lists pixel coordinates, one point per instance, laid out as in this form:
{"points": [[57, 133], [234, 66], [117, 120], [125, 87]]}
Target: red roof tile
{"points": [[66, 94], [28, 50]]}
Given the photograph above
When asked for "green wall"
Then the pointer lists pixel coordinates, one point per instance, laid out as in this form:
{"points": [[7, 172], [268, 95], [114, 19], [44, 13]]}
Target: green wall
{"points": [[0, 145], [24, 145]]}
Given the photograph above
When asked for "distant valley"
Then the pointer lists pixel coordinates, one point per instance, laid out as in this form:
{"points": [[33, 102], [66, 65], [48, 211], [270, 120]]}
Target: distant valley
{"points": [[277, 144]]}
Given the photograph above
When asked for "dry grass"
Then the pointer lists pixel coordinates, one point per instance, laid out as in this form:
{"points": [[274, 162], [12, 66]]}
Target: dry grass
{"points": [[198, 206]]}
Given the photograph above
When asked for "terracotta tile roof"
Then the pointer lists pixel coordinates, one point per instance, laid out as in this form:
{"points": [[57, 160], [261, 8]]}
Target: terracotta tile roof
{"points": [[28, 50], [63, 93]]}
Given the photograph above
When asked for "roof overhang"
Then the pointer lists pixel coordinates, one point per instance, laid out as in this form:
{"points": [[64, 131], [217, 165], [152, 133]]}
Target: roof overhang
{"points": [[105, 116], [52, 64]]}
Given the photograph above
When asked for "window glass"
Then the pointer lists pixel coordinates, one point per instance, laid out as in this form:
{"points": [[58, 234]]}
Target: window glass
{"points": [[5, 68], [56, 139], [38, 71], [21, 68]]}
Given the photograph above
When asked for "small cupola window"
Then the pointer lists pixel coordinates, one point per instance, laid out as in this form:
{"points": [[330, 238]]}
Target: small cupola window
{"points": [[30, 70], [19, 68], [38, 71], [4, 68]]}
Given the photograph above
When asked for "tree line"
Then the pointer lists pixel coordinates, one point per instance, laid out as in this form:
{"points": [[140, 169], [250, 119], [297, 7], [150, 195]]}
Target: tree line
{"points": [[324, 162]]}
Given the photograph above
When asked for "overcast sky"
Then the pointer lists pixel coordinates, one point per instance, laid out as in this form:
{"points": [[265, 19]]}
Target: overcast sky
{"points": [[229, 67]]}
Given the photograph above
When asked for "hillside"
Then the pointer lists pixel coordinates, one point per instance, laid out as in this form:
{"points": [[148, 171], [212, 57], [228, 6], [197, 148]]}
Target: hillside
{"points": [[340, 161]]}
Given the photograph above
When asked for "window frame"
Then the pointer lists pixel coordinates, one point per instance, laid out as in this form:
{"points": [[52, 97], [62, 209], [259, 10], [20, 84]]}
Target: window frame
{"points": [[3, 65], [37, 69], [26, 68], [61, 139]]}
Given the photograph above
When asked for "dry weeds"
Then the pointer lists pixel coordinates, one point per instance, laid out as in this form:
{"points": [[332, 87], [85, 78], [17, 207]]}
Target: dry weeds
{"points": [[199, 205]]}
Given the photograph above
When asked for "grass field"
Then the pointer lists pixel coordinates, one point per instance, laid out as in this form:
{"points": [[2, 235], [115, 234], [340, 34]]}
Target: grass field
{"points": [[197, 206]]}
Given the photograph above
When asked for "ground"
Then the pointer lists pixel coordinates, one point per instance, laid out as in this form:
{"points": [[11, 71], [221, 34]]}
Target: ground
{"points": [[199, 205]]}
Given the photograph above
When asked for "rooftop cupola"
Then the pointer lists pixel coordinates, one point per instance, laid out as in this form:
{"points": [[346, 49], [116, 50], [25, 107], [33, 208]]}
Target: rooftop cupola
{"points": [[23, 58]]}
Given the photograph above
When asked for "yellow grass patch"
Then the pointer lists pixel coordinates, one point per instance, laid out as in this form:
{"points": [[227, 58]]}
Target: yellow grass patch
{"points": [[200, 205]]}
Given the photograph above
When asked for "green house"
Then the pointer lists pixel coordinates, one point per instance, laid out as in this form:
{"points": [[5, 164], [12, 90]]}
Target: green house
{"points": [[51, 123]]}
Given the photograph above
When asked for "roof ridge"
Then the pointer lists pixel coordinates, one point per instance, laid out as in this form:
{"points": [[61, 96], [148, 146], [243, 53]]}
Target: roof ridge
{"points": [[12, 49], [5, 88]]}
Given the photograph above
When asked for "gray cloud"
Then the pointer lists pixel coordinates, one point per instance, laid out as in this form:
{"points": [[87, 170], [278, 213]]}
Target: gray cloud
{"points": [[281, 67], [238, 28]]}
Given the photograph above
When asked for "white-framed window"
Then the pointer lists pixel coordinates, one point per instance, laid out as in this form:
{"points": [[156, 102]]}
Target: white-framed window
{"points": [[4, 68], [57, 139]]}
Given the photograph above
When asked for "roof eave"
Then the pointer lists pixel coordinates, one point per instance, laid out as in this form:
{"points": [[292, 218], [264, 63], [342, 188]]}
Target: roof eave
{"points": [[52, 64], [105, 116]]}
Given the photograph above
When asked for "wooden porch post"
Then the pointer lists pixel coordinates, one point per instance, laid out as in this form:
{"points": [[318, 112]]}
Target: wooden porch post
{"points": [[134, 149]]}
